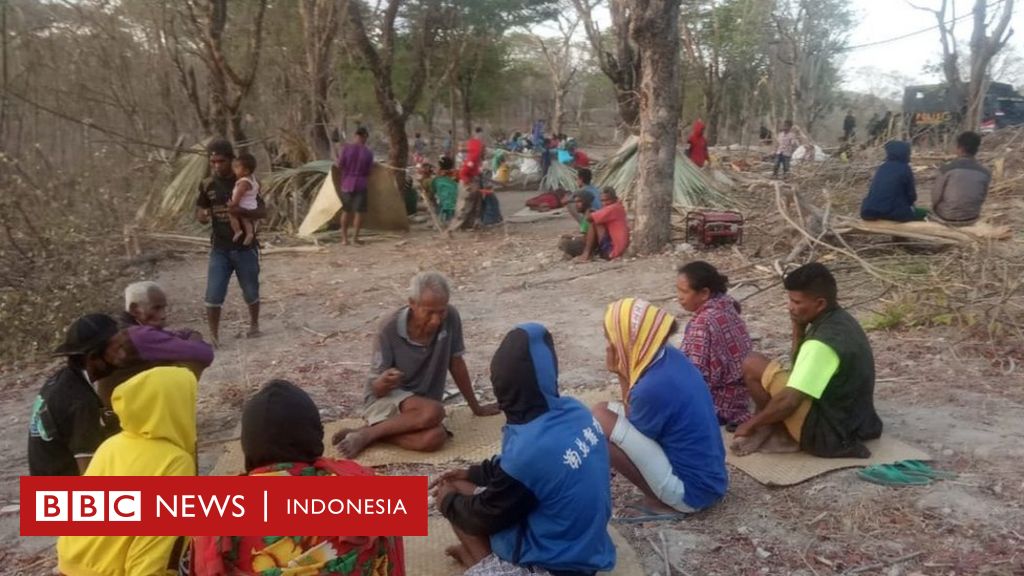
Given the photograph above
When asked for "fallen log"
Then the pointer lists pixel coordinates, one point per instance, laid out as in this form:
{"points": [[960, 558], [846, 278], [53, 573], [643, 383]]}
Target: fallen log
{"points": [[929, 231]]}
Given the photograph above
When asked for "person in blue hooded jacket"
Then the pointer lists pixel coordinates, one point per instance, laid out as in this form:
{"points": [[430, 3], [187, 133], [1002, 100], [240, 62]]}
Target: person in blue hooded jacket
{"points": [[542, 506], [892, 193]]}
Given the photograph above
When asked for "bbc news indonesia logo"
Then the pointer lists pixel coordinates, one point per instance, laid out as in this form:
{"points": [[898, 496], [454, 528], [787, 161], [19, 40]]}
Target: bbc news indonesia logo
{"points": [[88, 506], [217, 505]]}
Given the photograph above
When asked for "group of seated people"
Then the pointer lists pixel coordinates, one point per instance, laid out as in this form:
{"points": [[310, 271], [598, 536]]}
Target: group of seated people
{"points": [[957, 196], [602, 219], [541, 506]]}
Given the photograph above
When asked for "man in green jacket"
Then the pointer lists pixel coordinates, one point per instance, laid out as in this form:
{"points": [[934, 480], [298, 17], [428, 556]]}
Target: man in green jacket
{"points": [[825, 405]]}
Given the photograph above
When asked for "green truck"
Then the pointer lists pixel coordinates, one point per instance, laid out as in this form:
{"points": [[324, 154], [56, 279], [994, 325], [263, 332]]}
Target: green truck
{"points": [[936, 110]]}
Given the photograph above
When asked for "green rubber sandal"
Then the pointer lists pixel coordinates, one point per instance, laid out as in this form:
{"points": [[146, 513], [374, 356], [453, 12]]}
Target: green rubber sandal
{"points": [[919, 468], [889, 475]]}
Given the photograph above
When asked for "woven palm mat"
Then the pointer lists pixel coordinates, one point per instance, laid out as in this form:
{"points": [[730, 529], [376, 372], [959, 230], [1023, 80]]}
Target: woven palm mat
{"points": [[424, 555], [797, 467], [473, 439]]}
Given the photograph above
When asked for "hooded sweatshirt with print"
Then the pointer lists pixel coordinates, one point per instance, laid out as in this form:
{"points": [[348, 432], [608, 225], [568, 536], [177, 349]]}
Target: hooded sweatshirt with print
{"points": [[548, 494], [892, 193], [157, 410]]}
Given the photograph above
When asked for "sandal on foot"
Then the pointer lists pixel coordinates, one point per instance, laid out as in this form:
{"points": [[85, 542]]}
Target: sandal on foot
{"points": [[889, 475], [647, 515]]}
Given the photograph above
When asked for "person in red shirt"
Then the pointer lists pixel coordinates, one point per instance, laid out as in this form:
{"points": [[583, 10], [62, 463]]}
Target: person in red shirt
{"points": [[698, 149], [608, 233], [468, 203]]}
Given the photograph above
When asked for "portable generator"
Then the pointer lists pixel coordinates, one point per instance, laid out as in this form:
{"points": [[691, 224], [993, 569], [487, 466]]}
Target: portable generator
{"points": [[714, 227]]}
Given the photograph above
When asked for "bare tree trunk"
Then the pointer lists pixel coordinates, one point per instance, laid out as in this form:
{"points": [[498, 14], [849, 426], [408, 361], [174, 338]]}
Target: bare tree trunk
{"points": [[983, 49], [4, 80], [398, 150], [227, 87], [381, 60], [452, 116], [320, 25], [558, 117], [655, 29], [467, 110]]}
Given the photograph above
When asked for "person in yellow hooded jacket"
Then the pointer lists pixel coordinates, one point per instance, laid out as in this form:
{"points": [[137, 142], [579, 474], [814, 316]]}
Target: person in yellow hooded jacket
{"points": [[157, 409]]}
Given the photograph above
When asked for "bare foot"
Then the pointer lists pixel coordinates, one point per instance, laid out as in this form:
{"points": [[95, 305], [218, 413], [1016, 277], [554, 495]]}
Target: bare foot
{"points": [[340, 435], [344, 241], [459, 553], [745, 445], [354, 443], [358, 242], [779, 442], [254, 332]]}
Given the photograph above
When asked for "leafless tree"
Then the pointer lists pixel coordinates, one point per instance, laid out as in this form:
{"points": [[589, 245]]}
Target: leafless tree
{"points": [[380, 60], [621, 67], [227, 84], [984, 47], [558, 56], [320, 25]]}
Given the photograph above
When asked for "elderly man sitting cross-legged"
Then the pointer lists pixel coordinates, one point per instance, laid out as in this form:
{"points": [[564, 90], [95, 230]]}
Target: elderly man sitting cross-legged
{"points": [[415, 350], [825, 406]]}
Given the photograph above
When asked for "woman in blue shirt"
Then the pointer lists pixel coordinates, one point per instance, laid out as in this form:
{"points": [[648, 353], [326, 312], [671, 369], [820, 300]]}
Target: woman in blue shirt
{"points": [[664, 435]]}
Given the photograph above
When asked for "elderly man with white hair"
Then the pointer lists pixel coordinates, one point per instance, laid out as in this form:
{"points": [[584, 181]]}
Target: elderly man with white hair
{"points": [[415, 350], [142, 341], [145, 304]]}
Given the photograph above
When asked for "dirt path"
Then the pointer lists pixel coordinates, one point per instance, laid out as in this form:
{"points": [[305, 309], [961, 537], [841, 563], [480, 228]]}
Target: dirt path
{"points": [[320, 311]]}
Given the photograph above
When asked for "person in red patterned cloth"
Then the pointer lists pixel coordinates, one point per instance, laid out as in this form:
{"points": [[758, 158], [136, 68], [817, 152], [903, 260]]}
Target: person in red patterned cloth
{"points": [[468, 205], [282, 435], [716, 339]]}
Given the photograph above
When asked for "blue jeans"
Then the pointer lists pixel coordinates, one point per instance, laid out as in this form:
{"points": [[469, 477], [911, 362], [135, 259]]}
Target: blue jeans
{"points": [[245, 264], [781, 160]]}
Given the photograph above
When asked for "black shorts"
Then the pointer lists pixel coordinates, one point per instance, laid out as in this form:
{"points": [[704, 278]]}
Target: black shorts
{"points": [[354, 202]]}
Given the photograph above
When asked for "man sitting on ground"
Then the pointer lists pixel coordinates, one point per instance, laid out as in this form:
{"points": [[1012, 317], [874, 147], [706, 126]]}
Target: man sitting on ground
{"points": [[542, 506], [962, 185], [607, 234], [583, 179], [415, 349], [825, 406], [583, 204], [67, 423]]}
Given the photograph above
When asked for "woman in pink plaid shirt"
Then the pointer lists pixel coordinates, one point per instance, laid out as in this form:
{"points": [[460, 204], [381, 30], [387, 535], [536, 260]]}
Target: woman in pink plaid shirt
{"points": [[716, 339]]}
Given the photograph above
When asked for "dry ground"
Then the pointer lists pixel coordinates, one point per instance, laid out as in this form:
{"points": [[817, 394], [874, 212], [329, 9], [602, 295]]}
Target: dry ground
{"points": [[320, 311]]}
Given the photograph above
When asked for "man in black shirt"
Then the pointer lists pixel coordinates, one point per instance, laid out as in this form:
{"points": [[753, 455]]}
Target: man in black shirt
{"points": [[67, 423], [228, 256]]}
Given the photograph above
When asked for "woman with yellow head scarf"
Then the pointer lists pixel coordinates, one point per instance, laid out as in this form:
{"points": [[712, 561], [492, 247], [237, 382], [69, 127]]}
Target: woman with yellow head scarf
{"points": [[664, 435]]}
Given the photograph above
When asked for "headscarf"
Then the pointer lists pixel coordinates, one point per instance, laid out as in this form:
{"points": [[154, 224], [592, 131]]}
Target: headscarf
{"points": [[637, 330], [281, 424]]}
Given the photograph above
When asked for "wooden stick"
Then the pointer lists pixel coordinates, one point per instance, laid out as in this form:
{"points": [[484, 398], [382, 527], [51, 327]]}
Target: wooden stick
{"points": [[430, 209]]}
